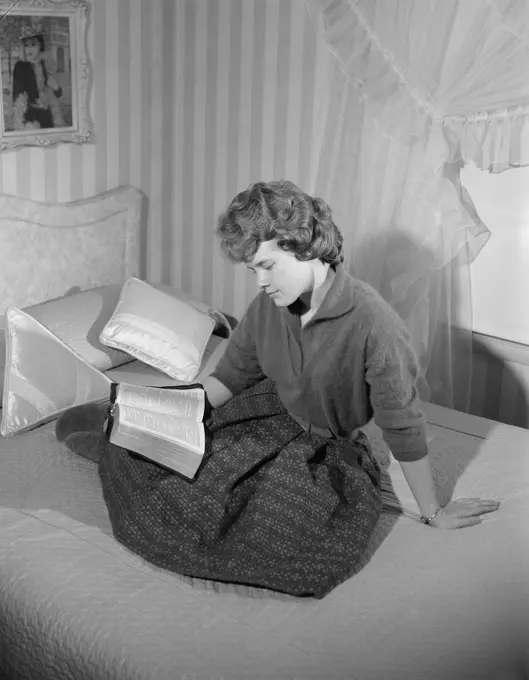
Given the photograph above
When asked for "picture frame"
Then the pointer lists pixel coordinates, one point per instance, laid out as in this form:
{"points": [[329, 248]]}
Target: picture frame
{"points": [[45, 73]]}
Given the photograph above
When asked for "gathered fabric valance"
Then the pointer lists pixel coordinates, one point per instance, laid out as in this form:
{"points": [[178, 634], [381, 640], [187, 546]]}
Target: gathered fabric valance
{"points": [[460, 65], [493, 141]]}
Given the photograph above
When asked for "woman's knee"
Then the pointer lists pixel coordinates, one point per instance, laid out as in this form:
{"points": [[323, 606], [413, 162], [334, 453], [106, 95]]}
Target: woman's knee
{"points": [[84, 418]]}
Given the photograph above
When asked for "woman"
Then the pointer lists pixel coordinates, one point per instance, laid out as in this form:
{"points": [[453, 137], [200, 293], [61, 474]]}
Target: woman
{"points": [[289, 493], [35, 91]]}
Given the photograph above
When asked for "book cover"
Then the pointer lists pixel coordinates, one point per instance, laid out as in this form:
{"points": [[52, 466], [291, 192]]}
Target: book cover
{"points": [[161, 424]]}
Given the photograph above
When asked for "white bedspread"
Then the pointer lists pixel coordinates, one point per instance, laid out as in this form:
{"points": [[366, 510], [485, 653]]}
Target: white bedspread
{"points": [[429, 605]]}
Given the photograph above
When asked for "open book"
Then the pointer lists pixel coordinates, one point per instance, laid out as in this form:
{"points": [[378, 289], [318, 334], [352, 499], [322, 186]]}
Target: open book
{"points": [[161, 424]]}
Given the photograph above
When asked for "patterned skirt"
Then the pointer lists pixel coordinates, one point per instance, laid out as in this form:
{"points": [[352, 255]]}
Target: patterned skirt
{"points": [[271, 506]]}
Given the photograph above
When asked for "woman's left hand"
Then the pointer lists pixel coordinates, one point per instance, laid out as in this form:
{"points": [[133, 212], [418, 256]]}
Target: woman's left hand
{"points": [[463, 513]]}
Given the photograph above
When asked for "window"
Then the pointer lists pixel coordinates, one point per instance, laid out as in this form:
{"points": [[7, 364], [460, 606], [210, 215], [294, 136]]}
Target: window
{"points": [[500, 273]]}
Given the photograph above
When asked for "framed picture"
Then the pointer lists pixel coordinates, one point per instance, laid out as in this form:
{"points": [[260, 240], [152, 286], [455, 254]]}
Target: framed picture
{"points": [[44, 72]]}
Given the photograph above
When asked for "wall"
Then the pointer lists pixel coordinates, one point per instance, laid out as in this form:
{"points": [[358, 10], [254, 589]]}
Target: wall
{"points": [[192, 100]]}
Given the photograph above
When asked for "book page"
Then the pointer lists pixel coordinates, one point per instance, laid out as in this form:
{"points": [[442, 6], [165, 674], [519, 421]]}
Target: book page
{"points": [[186, 404], [164, 426]]}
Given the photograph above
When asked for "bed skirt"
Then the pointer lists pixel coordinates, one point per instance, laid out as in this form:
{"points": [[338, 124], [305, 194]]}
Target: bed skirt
{"points": [[271, 506]]}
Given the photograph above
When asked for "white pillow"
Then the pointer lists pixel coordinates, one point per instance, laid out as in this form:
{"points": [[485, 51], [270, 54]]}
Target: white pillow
{"points": [[77, 320], [222, 325], [43, 376], [159, 329]]}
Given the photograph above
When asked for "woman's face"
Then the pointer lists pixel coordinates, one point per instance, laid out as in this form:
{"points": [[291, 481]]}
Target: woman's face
{"points": [[280, 274], [32, 49]]}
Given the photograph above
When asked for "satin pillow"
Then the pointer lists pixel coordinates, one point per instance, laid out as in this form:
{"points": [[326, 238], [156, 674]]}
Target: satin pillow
{"points": [[159, 329], [222, 325], [77, 319], [43, 376]]}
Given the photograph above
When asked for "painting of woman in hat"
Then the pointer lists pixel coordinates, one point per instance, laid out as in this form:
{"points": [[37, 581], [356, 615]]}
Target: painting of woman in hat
{"points": [[35, 91]]}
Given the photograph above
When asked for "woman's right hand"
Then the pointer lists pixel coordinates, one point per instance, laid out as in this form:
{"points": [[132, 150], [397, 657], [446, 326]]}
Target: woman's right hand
{"points": [[217, 393]]}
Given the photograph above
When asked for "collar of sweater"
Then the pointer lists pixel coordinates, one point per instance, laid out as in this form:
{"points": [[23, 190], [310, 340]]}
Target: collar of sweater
{"points": [[338, 300]]}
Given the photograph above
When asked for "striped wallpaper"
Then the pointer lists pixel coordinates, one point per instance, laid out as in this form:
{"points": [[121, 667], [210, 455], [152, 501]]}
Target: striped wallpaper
{"points": [[192, 100]]}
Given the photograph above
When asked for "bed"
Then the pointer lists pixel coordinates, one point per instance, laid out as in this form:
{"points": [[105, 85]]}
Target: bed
{"points": [[76, 604]]}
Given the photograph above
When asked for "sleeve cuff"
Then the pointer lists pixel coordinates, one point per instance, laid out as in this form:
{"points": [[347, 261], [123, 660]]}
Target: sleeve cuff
{"points": [[407, 445], [233, 386]]}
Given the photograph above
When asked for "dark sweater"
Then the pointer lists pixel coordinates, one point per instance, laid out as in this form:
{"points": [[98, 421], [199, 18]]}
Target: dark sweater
{"points": [[353, 360]]}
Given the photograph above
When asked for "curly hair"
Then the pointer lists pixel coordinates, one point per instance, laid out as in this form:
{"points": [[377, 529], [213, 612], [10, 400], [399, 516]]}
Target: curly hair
{"points": [[279, 209]]}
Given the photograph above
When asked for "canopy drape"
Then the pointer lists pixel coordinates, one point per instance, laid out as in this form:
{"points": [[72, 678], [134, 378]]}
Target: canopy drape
{"points": [[420, 88]]}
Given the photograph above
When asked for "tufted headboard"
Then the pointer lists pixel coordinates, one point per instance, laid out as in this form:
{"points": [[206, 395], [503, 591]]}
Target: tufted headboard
{"points": [[49, 249]]}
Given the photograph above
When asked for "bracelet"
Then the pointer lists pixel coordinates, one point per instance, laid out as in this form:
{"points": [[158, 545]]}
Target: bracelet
{"points": [[427, 520]]}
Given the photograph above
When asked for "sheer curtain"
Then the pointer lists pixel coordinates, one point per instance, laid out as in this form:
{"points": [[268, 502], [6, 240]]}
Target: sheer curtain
{"points": [[419, 88]]}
